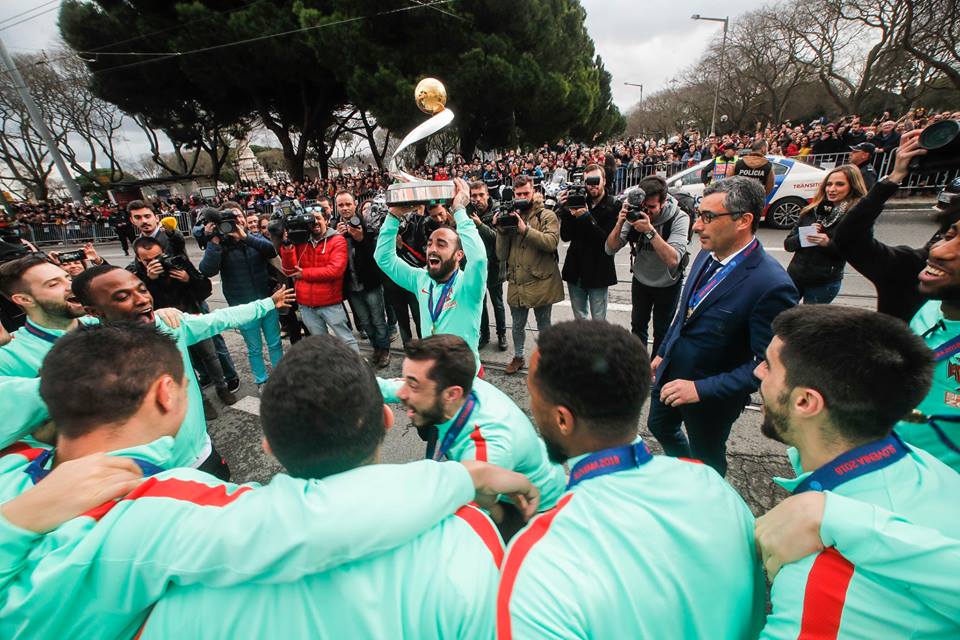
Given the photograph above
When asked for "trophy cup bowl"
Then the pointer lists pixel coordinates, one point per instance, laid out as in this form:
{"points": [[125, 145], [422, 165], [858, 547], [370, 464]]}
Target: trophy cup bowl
{"points": [[431, 97]]}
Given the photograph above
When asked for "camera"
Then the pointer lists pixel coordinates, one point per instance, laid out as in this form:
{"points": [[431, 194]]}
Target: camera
{"points": [[942, 142], [634, 204], [173, 262], [11, 233], [224, 222], [295, 220], [577, 192], [71, 256]]}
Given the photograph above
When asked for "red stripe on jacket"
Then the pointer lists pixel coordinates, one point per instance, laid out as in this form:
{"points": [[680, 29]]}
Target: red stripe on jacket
{"points": [[484, 528], [521, 546], [25, 450], [198, 493], [480, 443], [824, 596]]}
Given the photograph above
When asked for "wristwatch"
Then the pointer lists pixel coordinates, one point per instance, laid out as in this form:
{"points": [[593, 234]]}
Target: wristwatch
{"points": [[650, 235]]}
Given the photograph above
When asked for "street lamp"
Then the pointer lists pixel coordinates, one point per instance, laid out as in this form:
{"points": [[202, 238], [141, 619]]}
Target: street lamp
{"points": [[632, 84], [723, 47]]}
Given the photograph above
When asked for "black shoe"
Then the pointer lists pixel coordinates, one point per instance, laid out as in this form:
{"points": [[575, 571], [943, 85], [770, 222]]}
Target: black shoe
{"points": [[502, 343], [233, 385], [204, 382], [226, 396], [484, 341], [209, 412]]}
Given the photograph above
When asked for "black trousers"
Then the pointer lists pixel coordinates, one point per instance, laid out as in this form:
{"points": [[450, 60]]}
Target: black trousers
{"points": [[405, 306], [661, 302], [495, 296], [708, 426]]}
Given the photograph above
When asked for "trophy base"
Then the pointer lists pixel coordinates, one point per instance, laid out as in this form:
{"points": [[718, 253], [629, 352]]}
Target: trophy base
{"points": [[419, 192]]}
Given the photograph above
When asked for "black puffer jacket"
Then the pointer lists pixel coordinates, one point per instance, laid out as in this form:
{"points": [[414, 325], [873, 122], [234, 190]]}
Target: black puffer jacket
{"points": [[813, 266]]}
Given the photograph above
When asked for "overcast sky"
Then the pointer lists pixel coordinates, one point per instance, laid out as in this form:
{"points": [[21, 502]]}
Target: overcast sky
{"points": [[645, 42]]}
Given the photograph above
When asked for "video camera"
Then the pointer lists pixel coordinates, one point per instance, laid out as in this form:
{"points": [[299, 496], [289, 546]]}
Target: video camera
{"points": [[224, 222], [577, 192], [634, 202], [508, 205], [295, 220], [942, 142]]}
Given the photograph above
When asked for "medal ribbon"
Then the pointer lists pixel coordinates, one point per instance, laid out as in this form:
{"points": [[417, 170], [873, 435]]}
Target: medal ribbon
{"points": [[720, 276], [435, 311], [451, 436], [853, 464], [34, 330], [600, 463], [37, 473]]}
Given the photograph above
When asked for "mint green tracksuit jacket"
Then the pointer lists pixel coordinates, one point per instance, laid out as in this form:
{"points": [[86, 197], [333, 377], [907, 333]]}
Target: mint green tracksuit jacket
{"points": [[461, 312], [97, 575]]}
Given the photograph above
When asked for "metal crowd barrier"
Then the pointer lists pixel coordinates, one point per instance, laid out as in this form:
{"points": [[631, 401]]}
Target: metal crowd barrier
{"points": [[883, 163], [81, 232]]}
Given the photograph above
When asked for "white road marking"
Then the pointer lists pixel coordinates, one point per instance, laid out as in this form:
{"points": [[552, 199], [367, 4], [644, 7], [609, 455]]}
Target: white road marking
{"points": [[611, 306], [248, 404]]}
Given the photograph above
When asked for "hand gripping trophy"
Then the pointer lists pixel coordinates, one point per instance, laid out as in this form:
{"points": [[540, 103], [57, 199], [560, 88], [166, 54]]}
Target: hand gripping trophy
{"points": [[431, 97]]}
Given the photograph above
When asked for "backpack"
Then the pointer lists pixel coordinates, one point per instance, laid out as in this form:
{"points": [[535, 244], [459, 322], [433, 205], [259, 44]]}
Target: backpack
{"points": [[688, 205]]}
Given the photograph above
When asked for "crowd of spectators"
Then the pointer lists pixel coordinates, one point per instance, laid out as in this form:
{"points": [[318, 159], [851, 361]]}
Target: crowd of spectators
{"points": [[624, 160]]}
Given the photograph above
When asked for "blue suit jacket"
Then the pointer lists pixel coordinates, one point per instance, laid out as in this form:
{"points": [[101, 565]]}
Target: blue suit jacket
{"points": [[727, 335]]}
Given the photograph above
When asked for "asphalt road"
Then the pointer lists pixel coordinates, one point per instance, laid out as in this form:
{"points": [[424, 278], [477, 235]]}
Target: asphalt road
{"points": [[753, 458]]}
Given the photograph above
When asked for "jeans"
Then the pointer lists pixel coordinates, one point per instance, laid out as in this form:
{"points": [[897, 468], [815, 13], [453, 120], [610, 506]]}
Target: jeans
{"points": [[368, 308], [661, 302], [204, 353], [318, 319], [405, 306], [269, 325], [495, 295], [820, 293], [580, 296], [226, 361], [519, 315]]}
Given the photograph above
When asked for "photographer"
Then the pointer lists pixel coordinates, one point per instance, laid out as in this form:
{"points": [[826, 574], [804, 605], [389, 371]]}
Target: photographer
{"points": [[318, 266], [527, 239], [657, 231], [588, 270], [175, 283], [144, 218], [362, 278], [242, 259], [481, 211]]}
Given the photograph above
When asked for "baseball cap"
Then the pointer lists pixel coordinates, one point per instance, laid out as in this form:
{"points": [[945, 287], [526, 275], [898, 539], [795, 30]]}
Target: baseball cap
{"points": [[868, 147]]}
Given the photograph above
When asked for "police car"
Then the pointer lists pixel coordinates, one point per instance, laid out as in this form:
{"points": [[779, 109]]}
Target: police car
{"points": [[795, 184]]}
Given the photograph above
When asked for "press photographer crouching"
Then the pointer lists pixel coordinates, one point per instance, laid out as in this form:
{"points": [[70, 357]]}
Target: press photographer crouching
{"points": [[658, 232], [242, 260], [174, 282]]}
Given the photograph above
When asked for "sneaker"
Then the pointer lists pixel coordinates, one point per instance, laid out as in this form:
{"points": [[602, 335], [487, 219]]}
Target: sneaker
{"points": [[204, 382], [226, 396], [233, 385], [502, 343], [515, 365], [362, 334]]}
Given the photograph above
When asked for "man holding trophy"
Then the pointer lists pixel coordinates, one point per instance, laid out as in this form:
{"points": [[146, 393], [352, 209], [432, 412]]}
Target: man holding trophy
{"points": [[451, 299]]}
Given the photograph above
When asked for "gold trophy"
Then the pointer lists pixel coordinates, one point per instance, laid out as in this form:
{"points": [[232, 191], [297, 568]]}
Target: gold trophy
{"points": [[431, 97]]}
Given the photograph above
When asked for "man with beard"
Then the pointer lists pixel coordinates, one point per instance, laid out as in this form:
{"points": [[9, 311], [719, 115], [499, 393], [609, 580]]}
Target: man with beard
{"points": [[111, 294], [465, 418], [145, 220], [640, 545], [451, 299], [834, 382]]}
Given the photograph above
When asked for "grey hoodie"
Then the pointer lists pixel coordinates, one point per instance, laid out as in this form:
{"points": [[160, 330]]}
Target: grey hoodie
{"points": [[673, 224]]}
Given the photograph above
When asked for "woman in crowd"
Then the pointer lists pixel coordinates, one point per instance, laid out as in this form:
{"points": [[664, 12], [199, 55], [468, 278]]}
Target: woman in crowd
{"points": [[816, 267]]}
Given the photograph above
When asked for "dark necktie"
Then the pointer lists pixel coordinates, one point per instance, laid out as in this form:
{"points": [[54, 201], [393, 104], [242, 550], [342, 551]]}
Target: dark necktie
{"points": [[712, 267]]}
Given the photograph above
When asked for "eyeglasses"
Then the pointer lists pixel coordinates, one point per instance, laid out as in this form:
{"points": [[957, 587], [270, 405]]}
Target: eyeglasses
{"points": [[709, 216]]}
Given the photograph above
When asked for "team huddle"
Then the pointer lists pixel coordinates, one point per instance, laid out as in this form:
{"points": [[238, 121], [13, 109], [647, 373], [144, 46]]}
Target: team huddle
{"points": [[113, 524]]}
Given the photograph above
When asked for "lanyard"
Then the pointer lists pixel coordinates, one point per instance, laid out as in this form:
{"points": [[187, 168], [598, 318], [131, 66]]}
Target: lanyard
{"points": [[451, 436], [719, 277], [37, 473], [601, 463], [40, 333], [435, 311], [947, 350], [853, 464]]}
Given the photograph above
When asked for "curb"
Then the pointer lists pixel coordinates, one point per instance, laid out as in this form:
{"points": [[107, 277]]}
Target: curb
{"points": [[911, 204]]}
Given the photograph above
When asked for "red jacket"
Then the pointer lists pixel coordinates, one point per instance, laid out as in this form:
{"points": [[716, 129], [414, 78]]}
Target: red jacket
{"points": [[323, 267]]}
